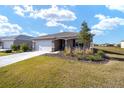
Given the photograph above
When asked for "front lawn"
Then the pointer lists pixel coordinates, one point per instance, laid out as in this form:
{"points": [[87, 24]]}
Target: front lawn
{"points": [[115, 53], [113, 50], [4, 54], [44, 71], [115, 56]]}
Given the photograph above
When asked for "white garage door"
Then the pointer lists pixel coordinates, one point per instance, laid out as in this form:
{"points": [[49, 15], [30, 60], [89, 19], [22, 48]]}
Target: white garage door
{"points": [[7, 44], [43, 45]]}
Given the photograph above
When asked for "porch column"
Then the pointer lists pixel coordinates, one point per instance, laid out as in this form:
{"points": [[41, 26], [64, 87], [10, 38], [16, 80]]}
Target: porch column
{"points": [[65, 43], [53, 45], [33, 45]]}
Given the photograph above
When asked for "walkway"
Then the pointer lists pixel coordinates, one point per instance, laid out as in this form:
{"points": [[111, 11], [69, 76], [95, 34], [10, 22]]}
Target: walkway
{"points": [[10, 59]]}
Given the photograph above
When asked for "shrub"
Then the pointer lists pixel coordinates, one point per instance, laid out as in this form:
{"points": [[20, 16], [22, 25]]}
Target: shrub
{"points": [[118, 45], [94, 58], [8, 51], [67, 51], [100, 53], [77, 52], [24, 47], [98, 58], [18, 47], [90, 57], [81, 57], [14, 48], [89, 52]]}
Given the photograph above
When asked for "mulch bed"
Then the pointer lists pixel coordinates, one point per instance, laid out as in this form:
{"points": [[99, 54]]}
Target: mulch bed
{"points": [[76, 59]]}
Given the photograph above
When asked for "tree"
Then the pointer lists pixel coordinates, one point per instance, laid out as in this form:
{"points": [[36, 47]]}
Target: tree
{"points": [[85, 37]]}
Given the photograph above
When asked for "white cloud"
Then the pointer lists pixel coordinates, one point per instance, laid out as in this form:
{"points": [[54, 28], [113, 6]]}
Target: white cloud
{"points": [[7, 28], [51, 23], [100, 16], [3, 19], [107, 23], [19, 10], [116, 7], [36, 33], [55, 24], [61, 30], [72, 28], [54, 13], [69, 29], [97, 32], [54, 16], [42, 34], [22, 10]]}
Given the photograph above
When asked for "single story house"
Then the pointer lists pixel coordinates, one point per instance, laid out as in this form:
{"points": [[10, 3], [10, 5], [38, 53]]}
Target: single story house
{"points": [[55, 42], [8, 41], [122, 44]]}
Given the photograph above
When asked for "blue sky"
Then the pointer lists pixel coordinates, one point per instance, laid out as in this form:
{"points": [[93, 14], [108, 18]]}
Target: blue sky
{"points": [[107, 22]]}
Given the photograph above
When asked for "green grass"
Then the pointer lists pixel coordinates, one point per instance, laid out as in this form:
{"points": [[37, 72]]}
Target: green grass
{"points": [[113, 52], [112, 49], [4, 54], [44, 71], [115, 56]]}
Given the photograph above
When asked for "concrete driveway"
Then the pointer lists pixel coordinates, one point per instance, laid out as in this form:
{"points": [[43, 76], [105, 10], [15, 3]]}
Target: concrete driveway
{"points": [[10, 59]]}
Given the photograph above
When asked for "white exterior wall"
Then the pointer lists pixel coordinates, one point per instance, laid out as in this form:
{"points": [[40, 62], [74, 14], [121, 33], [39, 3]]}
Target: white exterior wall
{"points": [[43, 45], [122, 44], [7, 44]]}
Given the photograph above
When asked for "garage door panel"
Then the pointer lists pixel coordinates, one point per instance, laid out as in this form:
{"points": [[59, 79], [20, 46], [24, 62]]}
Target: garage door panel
{"points": [[7, 44], [44, 45]]}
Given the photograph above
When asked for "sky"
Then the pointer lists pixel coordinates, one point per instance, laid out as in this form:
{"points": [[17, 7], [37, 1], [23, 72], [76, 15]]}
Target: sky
{"points": [[106, 22]]}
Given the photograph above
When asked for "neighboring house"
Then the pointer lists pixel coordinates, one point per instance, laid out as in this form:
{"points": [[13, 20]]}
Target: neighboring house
{"points": [[8, 41], [122, 44], [0, 44], [107, 44], [55, 42]]}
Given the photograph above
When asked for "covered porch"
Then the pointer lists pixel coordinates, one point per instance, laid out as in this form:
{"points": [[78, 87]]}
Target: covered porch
{"points": [[61, 44]]}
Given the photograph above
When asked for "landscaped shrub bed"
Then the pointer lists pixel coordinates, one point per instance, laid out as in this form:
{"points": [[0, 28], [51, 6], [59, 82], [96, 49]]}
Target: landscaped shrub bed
{"points": [[87, 55], [20, 48], [8, 51], [78, 54]]}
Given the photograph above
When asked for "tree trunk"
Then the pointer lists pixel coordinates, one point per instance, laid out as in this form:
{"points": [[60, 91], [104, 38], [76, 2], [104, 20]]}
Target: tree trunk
{"points": [[84, 49]]}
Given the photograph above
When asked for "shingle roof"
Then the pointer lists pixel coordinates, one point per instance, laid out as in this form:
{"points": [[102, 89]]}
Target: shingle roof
{"points": [[58, 35], [16, 37], [122, 41]]}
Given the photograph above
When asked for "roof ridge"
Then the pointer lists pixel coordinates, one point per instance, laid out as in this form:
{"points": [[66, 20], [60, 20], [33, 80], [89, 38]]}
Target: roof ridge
{"points": [[56, 35]]}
